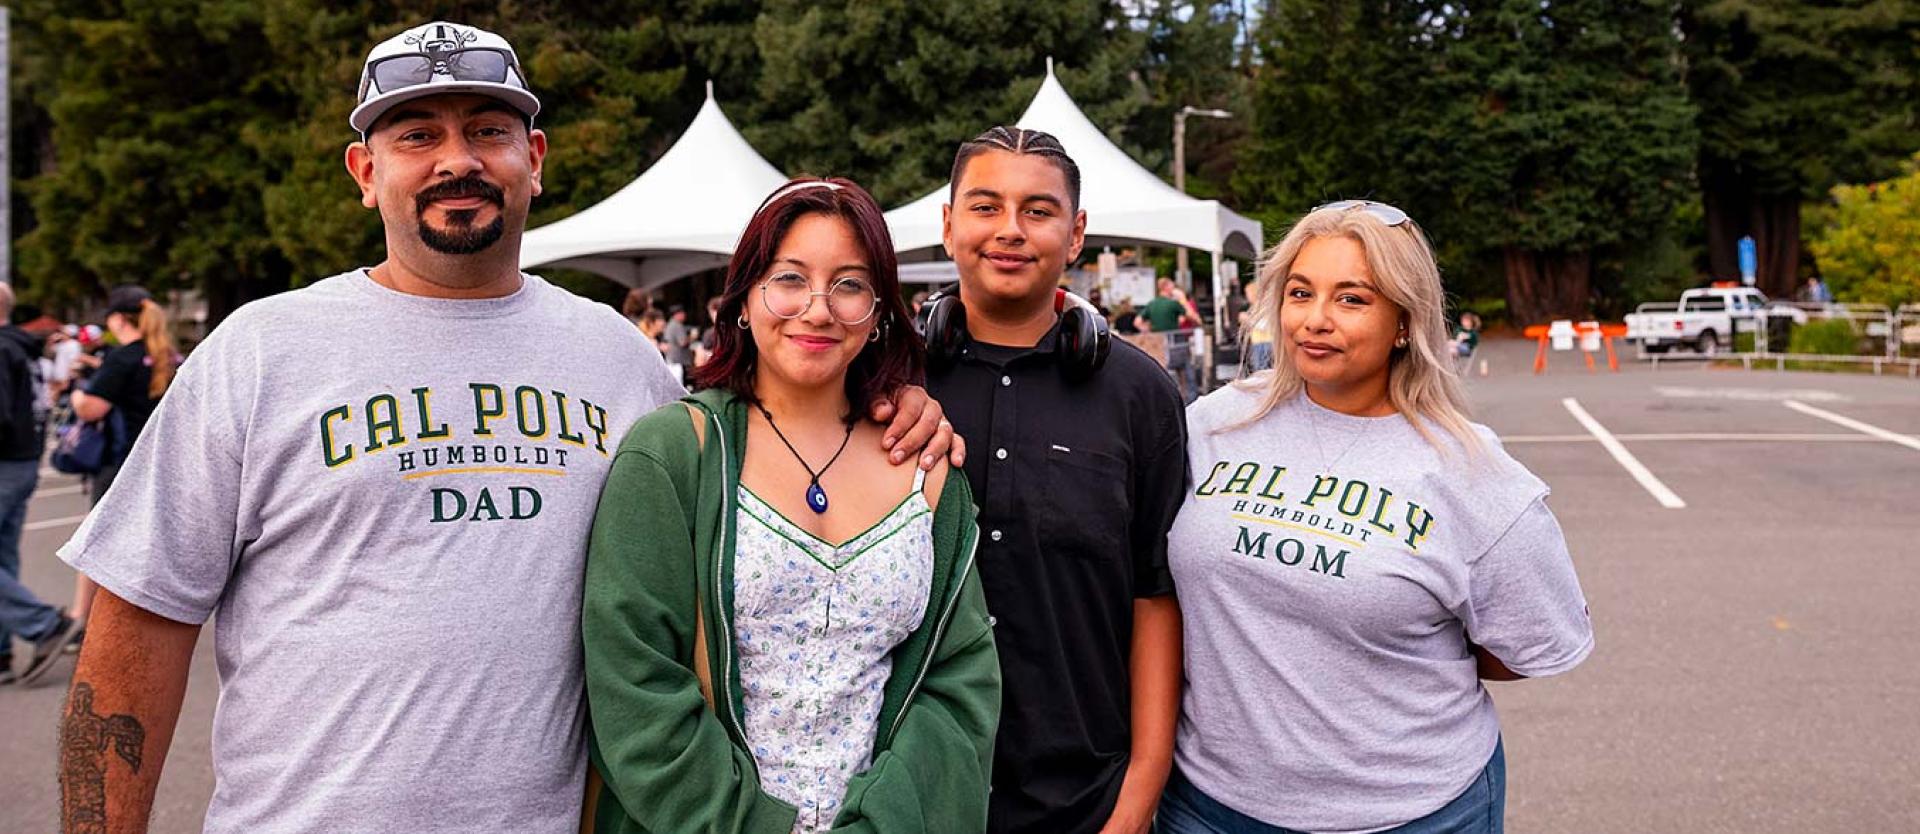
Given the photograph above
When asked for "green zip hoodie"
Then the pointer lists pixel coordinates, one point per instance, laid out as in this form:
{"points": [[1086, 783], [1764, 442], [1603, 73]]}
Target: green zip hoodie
{"points": [[662, 549]]}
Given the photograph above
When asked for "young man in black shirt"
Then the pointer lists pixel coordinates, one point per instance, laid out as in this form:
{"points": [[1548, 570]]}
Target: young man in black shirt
{"points": [[1079, 467]]}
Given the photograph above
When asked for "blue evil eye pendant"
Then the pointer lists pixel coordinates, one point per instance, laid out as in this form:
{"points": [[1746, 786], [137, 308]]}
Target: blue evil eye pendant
{"points": [[816, 497]]}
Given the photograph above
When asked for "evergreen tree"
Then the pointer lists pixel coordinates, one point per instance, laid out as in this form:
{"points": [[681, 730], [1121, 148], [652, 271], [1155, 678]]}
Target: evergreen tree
{"points": [[198, 143], [1566, 134], [1536, 135], [1795, 96]]}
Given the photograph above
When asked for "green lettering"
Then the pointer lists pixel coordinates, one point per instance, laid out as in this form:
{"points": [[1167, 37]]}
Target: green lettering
{"points": [[423, 398], [1257, 548], [1380, 508], [1359, 504], [484, 504], [1419, 521], [1205, 489], [1336, 565], [1267, 491], [522, 512], [484, 413], [1319, 481], [560, 409], [388, 422], [538, 409], [599, 427], [1242, 479], [332, 458], [1299, 551], [440, 511]]}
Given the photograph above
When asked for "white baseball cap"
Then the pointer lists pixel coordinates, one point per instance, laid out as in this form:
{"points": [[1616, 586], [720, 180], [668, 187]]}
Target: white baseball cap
{"points": [[440, 58]]}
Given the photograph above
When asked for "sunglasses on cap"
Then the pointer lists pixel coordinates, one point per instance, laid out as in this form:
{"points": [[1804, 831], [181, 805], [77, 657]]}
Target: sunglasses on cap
{"points": [[1381, 211], [478, 63]]}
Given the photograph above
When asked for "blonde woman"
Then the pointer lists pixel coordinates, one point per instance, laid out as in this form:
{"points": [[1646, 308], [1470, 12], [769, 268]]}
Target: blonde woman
{"points": [[1354, 558], [128, 383]]}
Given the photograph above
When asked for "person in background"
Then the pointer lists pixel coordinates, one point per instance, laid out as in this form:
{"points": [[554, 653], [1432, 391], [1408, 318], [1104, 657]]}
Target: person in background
{"points": [[1170, 313], [22, 614], [129, 381], [1815, 291], [678, 338], [703, 348], [66, 349], [836, 667], [653, 323], [1098, 299], [1466, 335], [1125, 318], [1356, 558], [1169, 309], [1256, 333], [635, 304]]}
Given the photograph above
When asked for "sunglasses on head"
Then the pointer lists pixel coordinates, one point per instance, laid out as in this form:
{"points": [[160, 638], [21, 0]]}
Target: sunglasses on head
{"points": [[479, 63], [1381, 211]]}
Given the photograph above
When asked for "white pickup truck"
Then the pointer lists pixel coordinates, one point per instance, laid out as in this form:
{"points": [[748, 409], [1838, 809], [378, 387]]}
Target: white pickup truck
{"points": [[1704, 319]]}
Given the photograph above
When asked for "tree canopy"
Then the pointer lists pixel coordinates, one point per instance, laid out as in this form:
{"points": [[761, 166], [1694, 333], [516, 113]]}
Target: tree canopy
{"points": [[1562, 155]]}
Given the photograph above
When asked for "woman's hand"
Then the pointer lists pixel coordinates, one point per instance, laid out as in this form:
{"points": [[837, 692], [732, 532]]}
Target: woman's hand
{"points": [[917, 424]]}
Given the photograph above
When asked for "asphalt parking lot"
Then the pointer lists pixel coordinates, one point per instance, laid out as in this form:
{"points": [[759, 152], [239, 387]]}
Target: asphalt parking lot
{"points": [[1752, 561]]}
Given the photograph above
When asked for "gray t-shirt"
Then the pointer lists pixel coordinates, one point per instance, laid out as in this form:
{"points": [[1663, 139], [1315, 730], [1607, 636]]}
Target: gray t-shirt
{"points": [[1331, 571], [385, 499]]}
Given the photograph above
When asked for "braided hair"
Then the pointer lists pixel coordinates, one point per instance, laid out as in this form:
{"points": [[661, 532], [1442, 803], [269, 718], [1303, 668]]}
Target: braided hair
{"points": [[1019, 141]]}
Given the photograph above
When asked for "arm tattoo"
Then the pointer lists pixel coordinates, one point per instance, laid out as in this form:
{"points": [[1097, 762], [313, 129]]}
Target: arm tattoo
{"points": [[84, 739]]}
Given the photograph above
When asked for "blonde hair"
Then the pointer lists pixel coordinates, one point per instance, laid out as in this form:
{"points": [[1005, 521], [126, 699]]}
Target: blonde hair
{"points": [[1421, 381], [158, 340]]}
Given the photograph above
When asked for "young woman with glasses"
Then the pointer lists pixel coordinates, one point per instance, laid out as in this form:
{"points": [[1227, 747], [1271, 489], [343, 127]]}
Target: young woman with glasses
{"points": [[784, 631], [1354, 558]]}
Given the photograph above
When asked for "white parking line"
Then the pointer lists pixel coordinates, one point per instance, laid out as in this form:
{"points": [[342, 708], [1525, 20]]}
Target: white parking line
{"points": [[1856, 425], [1625, 458], [69, 489], [50, 523]]}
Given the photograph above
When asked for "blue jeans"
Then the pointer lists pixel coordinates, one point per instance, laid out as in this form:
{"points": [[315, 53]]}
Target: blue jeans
{"points": [[21, 613], [1481, 810]]}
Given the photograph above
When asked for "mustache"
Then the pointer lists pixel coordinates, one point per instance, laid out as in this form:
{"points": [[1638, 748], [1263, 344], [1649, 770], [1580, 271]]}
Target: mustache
{"points": [[471, 186]]}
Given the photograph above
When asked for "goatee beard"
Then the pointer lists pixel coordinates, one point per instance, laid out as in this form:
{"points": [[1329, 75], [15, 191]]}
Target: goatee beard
{"points": [[463, 238]]}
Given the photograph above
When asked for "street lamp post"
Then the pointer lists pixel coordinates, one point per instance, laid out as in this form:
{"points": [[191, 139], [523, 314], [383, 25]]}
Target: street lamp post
{"points": [[1180, 174]]}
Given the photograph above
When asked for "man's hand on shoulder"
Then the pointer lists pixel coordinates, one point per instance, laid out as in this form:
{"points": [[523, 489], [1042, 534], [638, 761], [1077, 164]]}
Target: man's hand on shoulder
{"points": [[917, 424]]}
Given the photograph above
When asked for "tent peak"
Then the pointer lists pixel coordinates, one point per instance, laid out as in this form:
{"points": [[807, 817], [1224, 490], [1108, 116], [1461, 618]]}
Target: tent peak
{"points": [[1049, 66], [709, 89]]}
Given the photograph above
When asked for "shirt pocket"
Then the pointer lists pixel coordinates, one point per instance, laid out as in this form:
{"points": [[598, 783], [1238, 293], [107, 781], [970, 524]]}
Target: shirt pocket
{"points": [[1086, 504]]}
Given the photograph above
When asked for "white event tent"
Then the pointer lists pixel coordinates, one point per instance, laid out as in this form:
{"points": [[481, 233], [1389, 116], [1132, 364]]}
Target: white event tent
{"points": [[681, 216], [1125, 203]]}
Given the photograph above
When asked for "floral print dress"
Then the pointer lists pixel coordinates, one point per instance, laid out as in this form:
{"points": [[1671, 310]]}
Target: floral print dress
{"points": [[815, 624]]}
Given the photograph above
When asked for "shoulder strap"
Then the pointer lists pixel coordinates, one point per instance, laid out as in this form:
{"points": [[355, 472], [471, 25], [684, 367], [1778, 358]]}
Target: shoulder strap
{"points": [[919, 479], [702, 667]]}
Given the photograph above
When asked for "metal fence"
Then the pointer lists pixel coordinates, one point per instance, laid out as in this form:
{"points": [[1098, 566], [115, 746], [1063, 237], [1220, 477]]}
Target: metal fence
{"points": [[1882, 337]]}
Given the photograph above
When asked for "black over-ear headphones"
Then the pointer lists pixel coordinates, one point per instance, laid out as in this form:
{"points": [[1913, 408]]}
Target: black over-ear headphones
{"points": [[1081, 342]]}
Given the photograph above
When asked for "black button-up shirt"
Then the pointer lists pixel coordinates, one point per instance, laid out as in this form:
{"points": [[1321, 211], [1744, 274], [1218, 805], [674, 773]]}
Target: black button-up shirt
{"points": [[1077, 483]]}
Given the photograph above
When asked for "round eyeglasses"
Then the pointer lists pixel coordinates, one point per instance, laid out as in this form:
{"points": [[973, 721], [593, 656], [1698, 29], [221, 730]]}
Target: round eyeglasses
{"points": [[789, 295]]}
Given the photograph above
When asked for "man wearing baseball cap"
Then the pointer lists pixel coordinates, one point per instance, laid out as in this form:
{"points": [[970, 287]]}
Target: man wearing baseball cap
{"points": [[383, 485]]}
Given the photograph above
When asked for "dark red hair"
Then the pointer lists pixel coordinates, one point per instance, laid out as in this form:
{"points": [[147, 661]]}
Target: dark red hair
{"points": [[899, 356]]}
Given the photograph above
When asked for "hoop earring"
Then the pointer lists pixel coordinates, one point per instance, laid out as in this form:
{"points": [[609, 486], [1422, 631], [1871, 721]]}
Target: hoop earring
{"points": [[873, 335], [742, 322]]}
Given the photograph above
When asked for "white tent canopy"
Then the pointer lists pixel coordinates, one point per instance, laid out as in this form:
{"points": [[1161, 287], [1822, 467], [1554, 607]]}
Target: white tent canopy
{"points": [[1125, 203], [681, 216]]}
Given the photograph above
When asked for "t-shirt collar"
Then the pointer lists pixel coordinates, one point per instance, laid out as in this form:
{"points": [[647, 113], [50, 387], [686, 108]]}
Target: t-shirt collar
{"points": [[465, 308]]}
